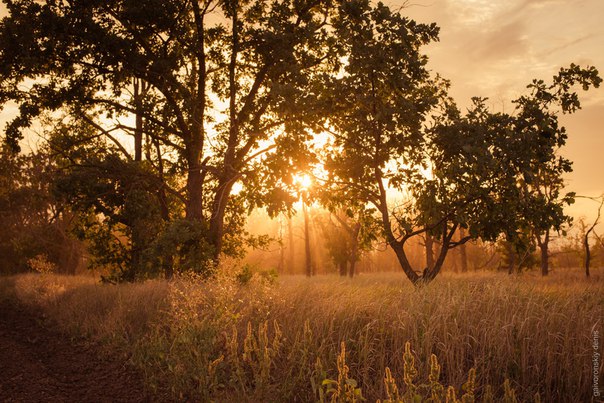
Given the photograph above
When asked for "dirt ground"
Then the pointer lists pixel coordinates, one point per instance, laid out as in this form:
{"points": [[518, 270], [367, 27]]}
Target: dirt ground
{"points": [[39, 364]]}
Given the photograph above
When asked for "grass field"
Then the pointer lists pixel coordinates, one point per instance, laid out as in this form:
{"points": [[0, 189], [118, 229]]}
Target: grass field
{"points": [[297, 339]]}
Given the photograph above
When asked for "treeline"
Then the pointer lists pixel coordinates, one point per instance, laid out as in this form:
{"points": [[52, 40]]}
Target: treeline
{"points": [[165, 123], [332, 252]]}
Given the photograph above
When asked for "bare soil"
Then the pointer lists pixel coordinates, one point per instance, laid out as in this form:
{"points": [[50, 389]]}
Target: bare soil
{"points": [[40, 364]]}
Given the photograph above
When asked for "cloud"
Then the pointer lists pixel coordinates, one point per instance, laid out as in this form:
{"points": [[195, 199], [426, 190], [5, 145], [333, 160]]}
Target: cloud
{"points": [[501, 42], [565, 45], [531, 4]]}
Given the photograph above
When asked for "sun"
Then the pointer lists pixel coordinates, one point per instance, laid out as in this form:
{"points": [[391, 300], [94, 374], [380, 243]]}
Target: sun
{"points": [[303, 181]]}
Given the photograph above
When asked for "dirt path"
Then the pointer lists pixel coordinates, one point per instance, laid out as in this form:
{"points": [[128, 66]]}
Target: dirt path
{"points": [[38, 364]]}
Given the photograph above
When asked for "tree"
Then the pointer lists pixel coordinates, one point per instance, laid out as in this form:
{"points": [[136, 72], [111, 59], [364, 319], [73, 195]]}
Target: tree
{"points": [[35, 225], [461, 171], [587, 231], [377, 105], [380, 105], [212, 85], [348, 235], [469, 183], [536, 121]]}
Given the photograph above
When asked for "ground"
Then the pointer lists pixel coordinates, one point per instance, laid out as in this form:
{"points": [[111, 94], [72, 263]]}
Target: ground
{"points": [[38, 363]]}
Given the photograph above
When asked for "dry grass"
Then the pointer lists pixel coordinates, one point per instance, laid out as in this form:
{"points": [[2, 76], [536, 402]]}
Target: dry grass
{"points": [[280, 342], [85, 307]]}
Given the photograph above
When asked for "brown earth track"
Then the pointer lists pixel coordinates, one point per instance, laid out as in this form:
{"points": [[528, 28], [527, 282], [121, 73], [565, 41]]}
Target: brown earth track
{"points": [[39, 364]]}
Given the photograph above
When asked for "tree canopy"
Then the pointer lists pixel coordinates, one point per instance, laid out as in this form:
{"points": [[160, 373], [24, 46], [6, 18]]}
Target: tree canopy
{"points": [[154, 110], [397, 135], [205, 89]]}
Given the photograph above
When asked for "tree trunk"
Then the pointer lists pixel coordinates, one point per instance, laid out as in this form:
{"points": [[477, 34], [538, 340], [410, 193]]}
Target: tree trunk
{"points": [[137, 237], [544, 246], [586, 238], [342, 268], [352, 268], [281, 266], [463, 256], [353, 260], [167, 261], [216, 233], [354, 251], [511, 257], [290, 234], [168, 267], [398, 248], [194, 203], [429, 244], [307, 262], [228, 175], [430, 274], [587, 253], [138, 128], [395, 244], [135, 254]]}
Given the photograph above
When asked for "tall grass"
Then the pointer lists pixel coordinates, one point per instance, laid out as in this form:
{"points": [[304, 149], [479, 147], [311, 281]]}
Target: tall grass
{"points": [[282, 340]]}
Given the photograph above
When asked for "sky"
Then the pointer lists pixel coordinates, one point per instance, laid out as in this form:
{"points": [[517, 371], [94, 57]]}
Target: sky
{"points": [[494, 48]]}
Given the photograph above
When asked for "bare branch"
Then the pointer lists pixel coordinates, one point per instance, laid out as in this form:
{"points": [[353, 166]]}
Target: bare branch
{"points": [[107, 134]]}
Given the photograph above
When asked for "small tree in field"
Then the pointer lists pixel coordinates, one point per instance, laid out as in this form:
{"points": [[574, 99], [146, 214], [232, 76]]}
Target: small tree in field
{"points": [[586, 233]]}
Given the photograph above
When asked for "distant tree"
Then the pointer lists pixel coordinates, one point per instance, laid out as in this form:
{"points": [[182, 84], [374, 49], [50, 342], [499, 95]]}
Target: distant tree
{"points": [[536, 122], [517, 254], [586, 233], [338, 245], [348, 235], [34, 223], [213, 85]]}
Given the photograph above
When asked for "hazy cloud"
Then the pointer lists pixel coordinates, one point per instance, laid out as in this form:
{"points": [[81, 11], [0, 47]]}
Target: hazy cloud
{"points": [[500, 42], [566, 45]]}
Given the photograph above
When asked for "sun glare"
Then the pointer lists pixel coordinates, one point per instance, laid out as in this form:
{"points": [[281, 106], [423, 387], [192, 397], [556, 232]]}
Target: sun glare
{"points": [[303, 181], [237, 188]]}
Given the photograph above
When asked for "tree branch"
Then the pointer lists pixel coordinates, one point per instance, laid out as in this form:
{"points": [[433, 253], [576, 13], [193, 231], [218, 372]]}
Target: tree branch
{"points": [[107, 134]]}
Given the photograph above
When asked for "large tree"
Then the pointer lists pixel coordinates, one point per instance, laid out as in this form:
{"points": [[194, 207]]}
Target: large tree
{"points": [[212, 85]]}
